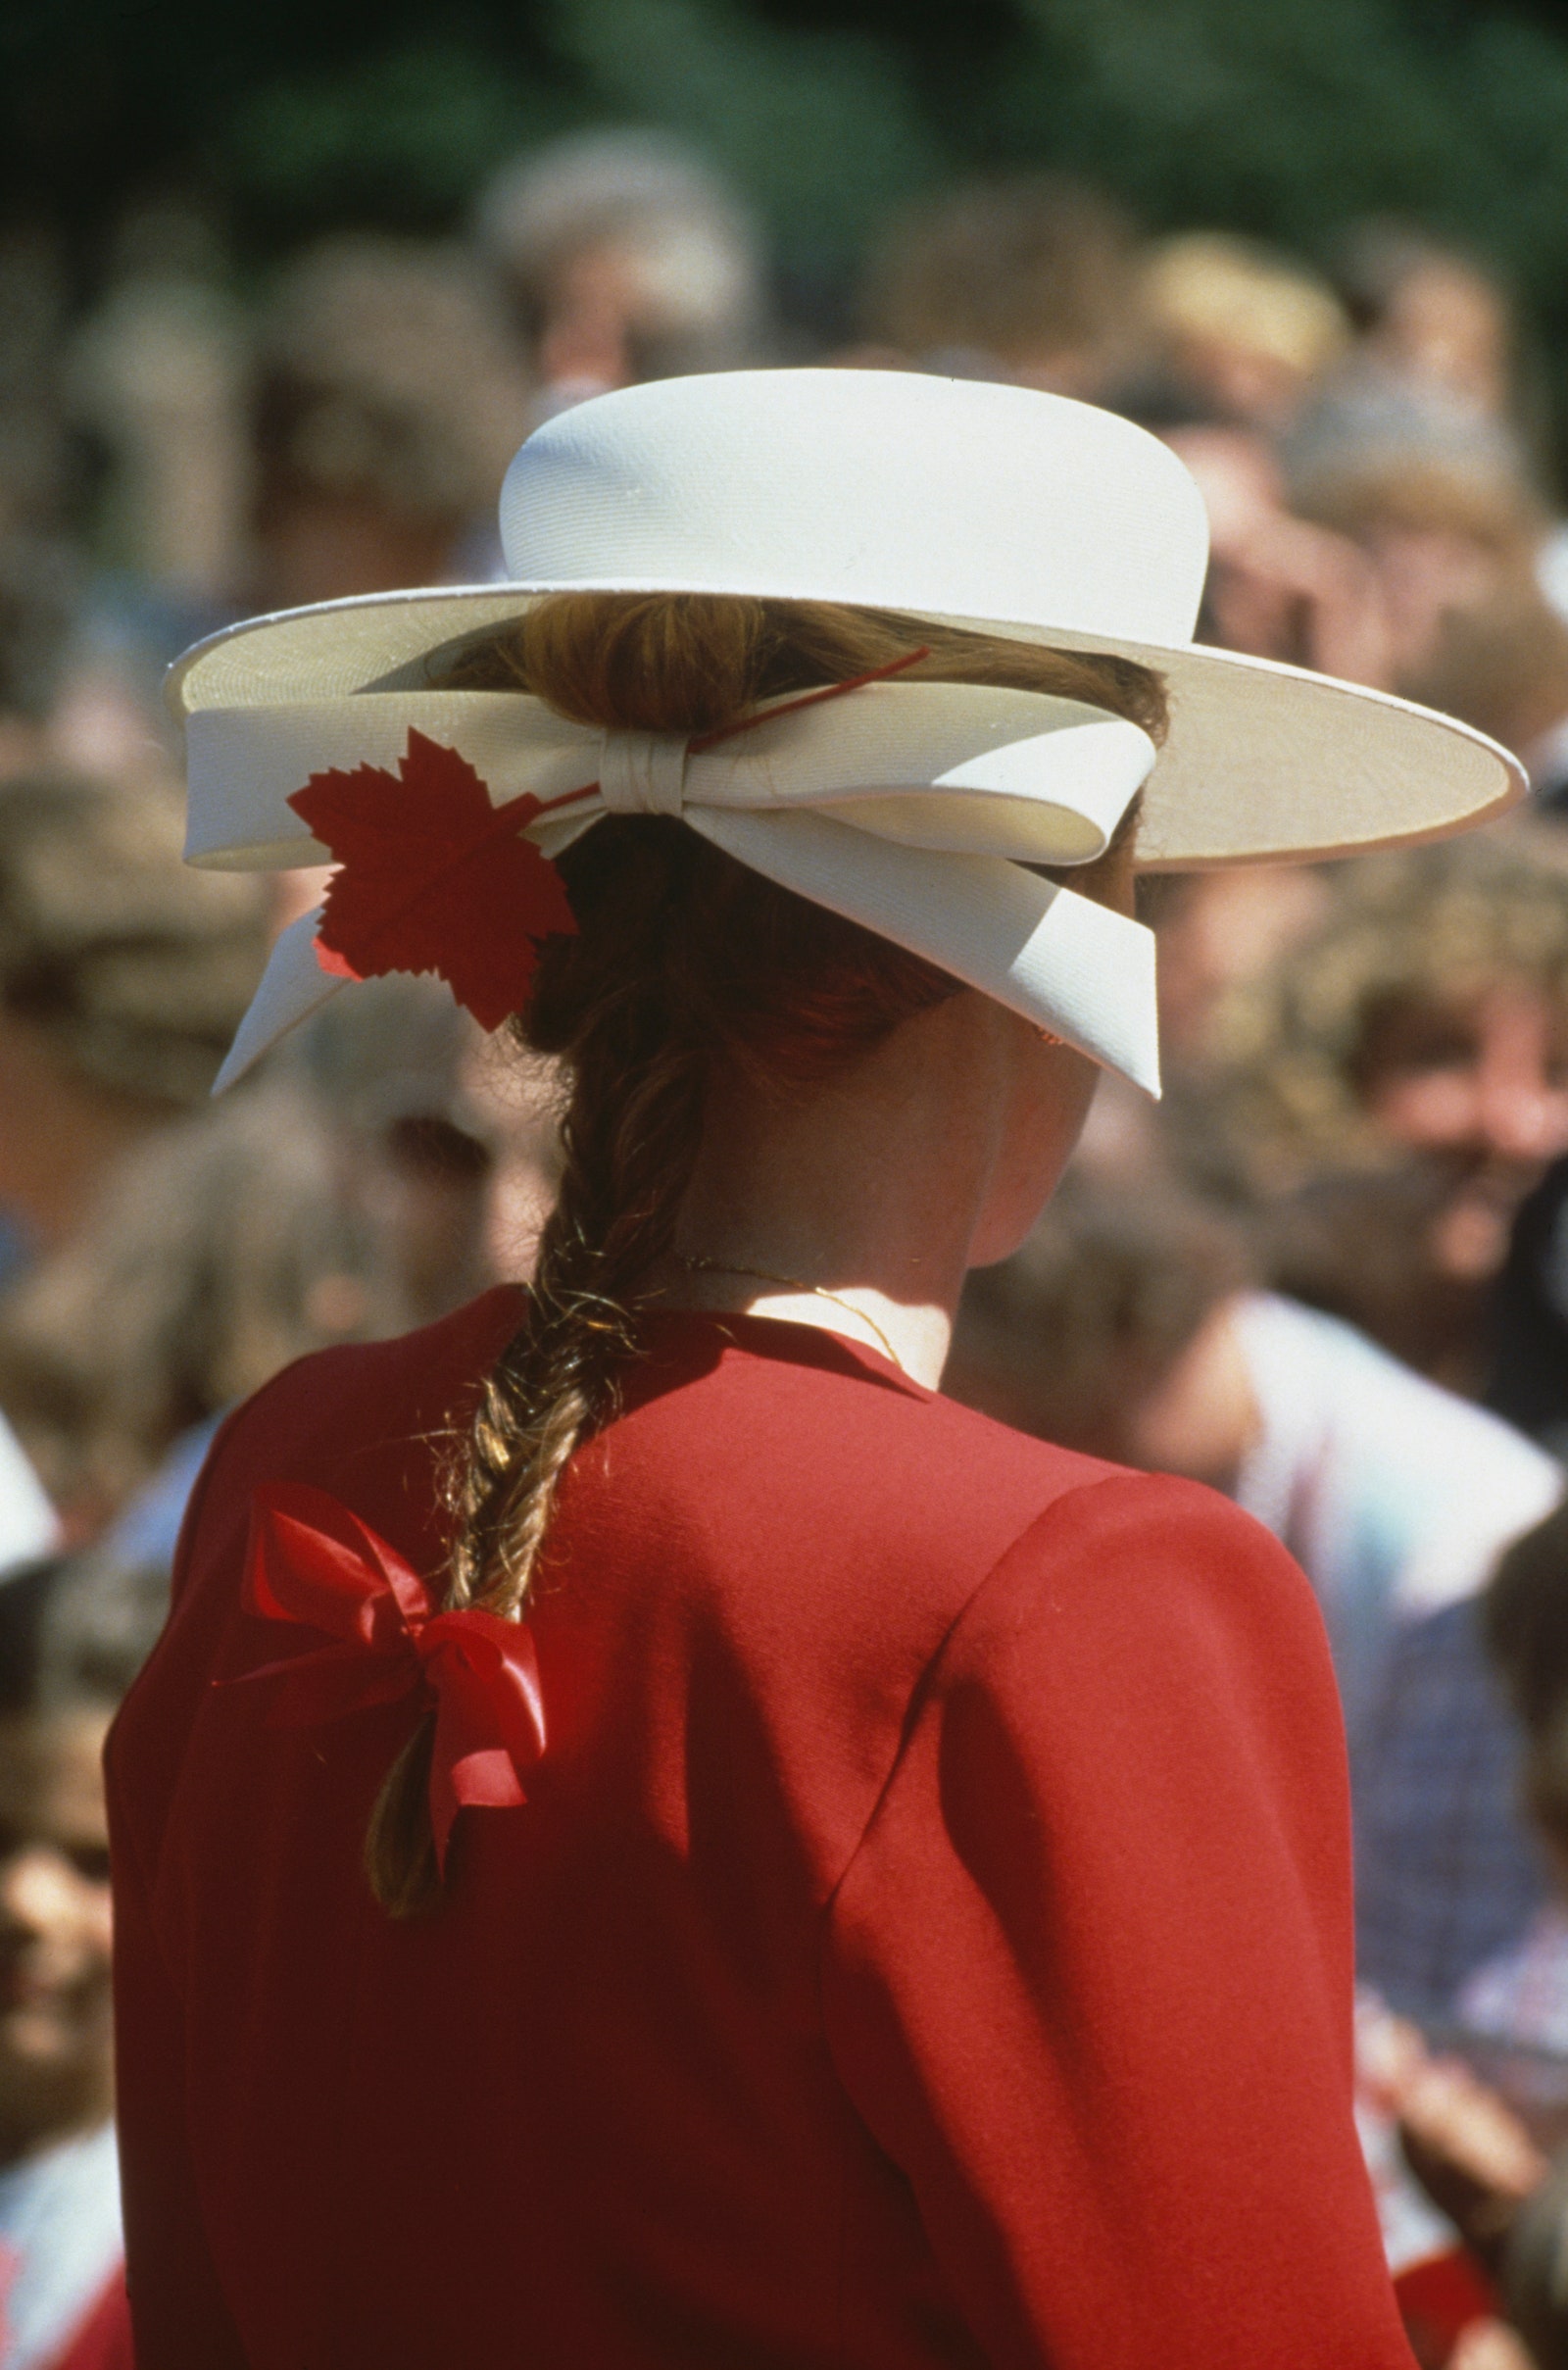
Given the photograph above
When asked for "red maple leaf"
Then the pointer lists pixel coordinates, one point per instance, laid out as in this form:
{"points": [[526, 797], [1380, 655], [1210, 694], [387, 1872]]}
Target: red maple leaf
{"points": [[435, 878]]}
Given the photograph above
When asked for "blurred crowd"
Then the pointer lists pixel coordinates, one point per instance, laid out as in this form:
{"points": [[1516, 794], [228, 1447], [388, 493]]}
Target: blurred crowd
{"points": [[1328, 1275]]}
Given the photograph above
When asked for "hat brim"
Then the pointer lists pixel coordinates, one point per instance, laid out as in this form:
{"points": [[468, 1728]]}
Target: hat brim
{"points": [[1262, 762]]}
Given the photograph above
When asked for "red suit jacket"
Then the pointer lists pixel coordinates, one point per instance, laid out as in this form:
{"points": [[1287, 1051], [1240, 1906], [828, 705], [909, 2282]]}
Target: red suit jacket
{"points": [[927, 1939]]}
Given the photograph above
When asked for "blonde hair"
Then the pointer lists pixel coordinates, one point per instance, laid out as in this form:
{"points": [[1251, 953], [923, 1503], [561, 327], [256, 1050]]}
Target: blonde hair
{"points": [[682, 956], [1207, 285]]}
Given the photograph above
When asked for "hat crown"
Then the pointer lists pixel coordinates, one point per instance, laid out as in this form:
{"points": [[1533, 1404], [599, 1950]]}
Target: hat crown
{"points": [[951, 498]]}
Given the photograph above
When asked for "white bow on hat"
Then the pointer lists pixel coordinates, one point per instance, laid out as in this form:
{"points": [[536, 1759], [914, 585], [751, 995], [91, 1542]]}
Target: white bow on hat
{"points": [[909, 808]]}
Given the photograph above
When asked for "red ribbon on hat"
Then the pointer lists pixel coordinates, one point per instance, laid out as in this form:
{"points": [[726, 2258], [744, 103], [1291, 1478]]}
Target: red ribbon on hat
{"points": [[433, 877], [312, 1562]]}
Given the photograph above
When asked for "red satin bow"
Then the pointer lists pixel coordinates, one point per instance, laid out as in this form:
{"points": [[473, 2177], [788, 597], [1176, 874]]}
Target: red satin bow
{"points": [[312, 1562]]}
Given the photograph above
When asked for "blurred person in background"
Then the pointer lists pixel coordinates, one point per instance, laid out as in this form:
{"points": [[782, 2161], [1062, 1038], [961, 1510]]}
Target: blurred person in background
{"points": [[1449, 1871], [389, 1074], [519, 1105], [1415, 1052], [1455, 550], [152, 400], [1279, 586], [1240, 325], [41, 587], [1486, 2125], [626, 257], [1129, 1326], [1359, 1242], [122, 974], [1433, 320], [65, 697], [389, 394], [1452, 2164], [68, 1647], [223, 1250], [1434, 377], [40, 481], [1439, 328], [1217, 932], [1520, 2000], [1404, 1085], [1528, 1382], [1028, 276], [156, 382]]}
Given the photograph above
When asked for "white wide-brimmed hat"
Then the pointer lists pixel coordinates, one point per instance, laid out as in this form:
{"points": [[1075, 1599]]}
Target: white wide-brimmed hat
{"points": [[905, 806]]}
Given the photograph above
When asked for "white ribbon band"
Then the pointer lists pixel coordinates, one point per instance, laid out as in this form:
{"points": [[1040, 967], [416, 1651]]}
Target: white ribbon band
{"points": [[909, 808], [642, 773]]}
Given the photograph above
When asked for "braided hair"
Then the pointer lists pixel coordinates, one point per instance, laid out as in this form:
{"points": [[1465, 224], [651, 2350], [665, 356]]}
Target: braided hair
{"points": [[682, 956]]}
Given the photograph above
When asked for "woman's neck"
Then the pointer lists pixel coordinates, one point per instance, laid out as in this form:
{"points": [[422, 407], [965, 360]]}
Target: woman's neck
{"points": [[875, 1187]]}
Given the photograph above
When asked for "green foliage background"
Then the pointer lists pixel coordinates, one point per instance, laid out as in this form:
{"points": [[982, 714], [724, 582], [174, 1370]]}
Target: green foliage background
{"points": [[1281, 116]]}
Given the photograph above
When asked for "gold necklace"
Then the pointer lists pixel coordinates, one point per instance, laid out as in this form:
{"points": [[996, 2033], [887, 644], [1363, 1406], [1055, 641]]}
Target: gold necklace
{"points": [[794, 1283]]}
